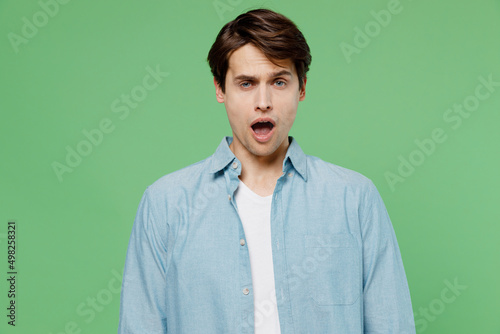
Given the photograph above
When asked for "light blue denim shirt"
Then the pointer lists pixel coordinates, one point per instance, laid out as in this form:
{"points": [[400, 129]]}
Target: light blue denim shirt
{"points": [[337, 263]]}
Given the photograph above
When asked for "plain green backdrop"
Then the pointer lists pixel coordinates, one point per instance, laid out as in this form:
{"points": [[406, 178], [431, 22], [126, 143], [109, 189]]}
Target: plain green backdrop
{"points": [[385, 75]]}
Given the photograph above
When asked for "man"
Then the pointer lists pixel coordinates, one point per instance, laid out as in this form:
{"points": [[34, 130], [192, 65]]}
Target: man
{"points": [[260, 237]]}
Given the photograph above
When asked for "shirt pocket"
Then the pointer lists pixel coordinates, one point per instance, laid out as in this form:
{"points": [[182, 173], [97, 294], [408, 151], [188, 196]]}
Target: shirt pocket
{"points": [[336, 278]]}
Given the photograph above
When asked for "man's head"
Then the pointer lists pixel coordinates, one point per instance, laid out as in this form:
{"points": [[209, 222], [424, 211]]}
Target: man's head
{"points": [[259, 62]]}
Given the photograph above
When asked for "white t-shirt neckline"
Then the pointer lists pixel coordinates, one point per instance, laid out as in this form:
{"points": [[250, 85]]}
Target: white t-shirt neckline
{"points": [[254, 195]]}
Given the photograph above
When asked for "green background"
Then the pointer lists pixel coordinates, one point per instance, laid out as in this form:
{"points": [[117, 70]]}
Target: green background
{"points": [[361, 112]]}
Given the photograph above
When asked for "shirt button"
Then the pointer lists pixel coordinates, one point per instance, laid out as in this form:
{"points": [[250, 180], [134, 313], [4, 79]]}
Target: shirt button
{"points": [[242, 242], [290, 174], [235, 165], [246, 291], [229, 197]]}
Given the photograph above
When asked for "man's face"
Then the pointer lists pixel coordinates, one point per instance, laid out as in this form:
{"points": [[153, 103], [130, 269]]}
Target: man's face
{"points": [[256, 88]]}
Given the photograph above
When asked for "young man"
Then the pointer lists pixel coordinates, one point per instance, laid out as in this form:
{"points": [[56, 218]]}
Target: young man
{"points": [[260, 237]]}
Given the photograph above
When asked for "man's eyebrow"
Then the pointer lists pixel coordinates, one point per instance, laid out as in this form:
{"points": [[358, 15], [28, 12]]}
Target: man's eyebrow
{"points": [[253, 78]]}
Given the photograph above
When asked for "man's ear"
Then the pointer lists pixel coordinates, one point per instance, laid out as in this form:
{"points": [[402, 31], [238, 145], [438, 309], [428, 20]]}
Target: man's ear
{"points": [[302, 92], [218, 92]]}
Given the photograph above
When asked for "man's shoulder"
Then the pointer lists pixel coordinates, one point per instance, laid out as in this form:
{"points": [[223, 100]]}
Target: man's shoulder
{"points": [[330, 172]]}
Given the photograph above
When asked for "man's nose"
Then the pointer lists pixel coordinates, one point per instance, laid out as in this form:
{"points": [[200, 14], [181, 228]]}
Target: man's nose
{"points": [[264, 98]]}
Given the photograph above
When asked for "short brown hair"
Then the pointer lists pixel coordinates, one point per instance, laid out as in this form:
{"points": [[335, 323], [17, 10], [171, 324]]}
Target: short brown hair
{"points": [[273, 33]]}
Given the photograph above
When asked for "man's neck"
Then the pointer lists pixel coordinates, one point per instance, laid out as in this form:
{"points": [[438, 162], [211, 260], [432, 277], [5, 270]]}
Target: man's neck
{"points": [[260, 173]]}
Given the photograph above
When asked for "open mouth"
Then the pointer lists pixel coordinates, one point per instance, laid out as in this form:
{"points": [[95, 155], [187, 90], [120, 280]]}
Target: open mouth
{"points": [[262, 128]]}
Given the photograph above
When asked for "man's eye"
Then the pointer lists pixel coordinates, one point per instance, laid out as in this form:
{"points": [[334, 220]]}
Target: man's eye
{"points": [[244, 83], [283, 83]]}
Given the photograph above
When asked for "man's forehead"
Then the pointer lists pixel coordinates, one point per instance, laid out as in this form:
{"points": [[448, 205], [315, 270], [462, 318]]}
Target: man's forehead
{"points": [[239, 70], [240, 64]]}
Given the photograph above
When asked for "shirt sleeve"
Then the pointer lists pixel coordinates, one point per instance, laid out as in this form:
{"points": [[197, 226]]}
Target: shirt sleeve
{"points": [[387, 305], [143, 301]]}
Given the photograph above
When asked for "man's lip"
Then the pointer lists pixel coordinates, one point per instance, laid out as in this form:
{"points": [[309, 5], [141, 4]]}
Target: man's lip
{"points": [[263, 119]]}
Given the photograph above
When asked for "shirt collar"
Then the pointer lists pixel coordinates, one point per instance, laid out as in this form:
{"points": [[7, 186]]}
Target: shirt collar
{"points": [[223, 156]]}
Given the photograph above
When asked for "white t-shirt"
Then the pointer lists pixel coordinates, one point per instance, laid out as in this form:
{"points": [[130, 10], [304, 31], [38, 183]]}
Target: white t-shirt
{"points": [[255, 214]]}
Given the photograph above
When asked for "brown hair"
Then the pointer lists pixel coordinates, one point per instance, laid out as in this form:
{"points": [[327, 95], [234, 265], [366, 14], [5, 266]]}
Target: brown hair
{"points": [[273, 33]]}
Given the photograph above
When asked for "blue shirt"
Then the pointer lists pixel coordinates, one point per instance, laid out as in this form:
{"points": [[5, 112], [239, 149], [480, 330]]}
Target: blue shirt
{"points": [[337, 263]]}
